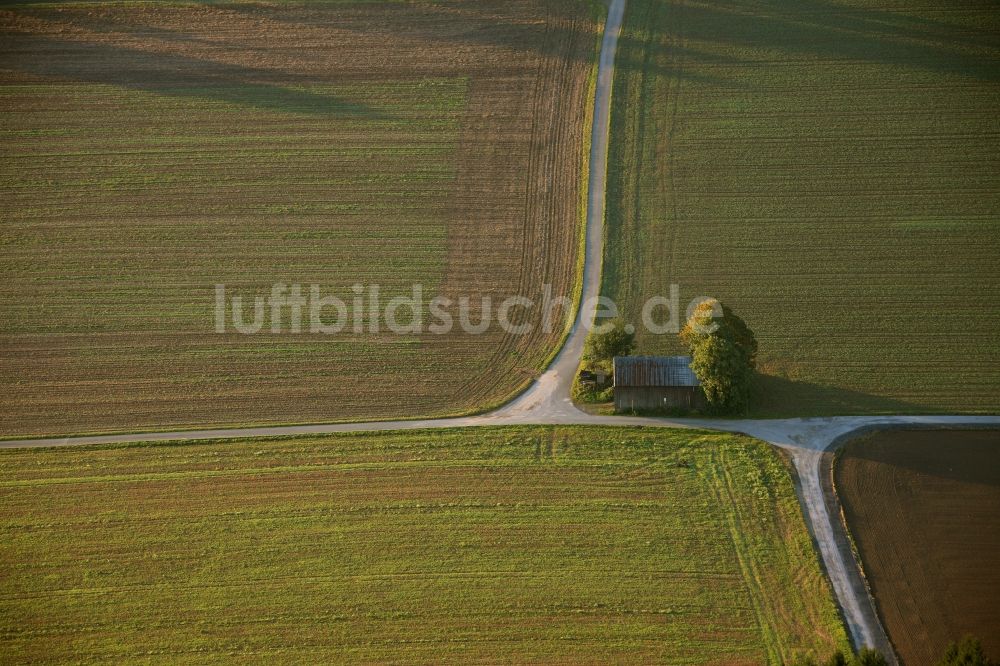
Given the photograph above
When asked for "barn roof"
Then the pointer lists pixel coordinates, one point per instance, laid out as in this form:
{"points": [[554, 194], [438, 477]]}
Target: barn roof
{"points": [[654, 371]]}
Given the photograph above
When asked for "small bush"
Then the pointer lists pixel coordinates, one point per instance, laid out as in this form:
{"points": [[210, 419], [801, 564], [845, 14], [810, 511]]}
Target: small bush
{"points": [[618, 340], [966, 652]]}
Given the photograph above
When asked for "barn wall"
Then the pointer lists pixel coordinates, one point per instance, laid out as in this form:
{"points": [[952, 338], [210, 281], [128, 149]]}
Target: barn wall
{"points": [[646, 399]]}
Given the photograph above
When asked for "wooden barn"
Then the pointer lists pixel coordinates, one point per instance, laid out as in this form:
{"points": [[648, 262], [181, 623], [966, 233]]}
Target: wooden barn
{"points": [[655, 382]]}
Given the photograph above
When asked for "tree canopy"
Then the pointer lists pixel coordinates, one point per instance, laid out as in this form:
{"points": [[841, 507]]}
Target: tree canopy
{"points": [[617, 340], [724, 354]]}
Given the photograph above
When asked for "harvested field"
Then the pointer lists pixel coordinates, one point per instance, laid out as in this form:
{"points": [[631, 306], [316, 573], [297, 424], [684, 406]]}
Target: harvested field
{"points": [[154, 150], [924, 510], [830, 170], [501, 545]]}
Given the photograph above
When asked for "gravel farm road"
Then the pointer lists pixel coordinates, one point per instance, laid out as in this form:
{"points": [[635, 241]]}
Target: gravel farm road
{"points": [[547, 401]]}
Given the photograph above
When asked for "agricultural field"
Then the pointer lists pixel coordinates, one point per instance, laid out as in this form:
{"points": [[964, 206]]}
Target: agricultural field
{"points": [[518, 544], [924, 510], [830, 171], [152, 151]]}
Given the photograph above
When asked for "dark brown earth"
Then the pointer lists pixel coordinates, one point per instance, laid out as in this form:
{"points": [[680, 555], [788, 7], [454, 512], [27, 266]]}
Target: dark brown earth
{"points": [[924, 511]]}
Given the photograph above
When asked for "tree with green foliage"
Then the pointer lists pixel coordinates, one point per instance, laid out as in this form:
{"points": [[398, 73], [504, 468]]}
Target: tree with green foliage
{"points": [[966, 652], [616, 339], [867, 657], [870, 657], [724, 355]]}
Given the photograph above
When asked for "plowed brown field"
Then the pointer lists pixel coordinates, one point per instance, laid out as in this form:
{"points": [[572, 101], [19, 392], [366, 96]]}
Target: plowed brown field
{"points": [[924, 510], [152, 151]]}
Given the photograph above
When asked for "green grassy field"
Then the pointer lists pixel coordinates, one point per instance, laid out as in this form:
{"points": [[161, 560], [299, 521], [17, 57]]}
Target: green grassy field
{"points": [[530, 545], [154, 150], [829, 170]]}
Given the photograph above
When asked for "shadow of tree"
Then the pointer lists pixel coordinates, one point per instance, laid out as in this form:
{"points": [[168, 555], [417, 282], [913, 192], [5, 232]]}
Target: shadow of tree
{"points": [[809, 28], [780, 397], [673, 44], [959, 453], [822, 30], [50, 58]]}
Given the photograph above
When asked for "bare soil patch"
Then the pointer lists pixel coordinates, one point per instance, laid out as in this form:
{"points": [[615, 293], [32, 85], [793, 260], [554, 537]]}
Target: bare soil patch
{"points": [[924, 510]]}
